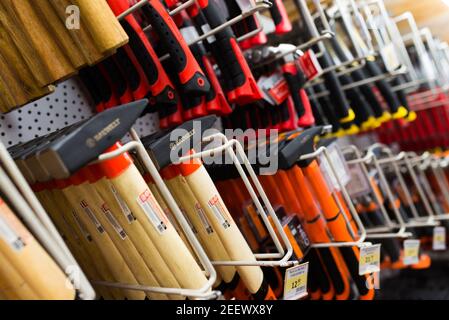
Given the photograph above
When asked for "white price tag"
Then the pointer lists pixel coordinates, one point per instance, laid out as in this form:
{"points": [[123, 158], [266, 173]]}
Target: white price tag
{"points": [[411, 252], [339, 164], [358, 185], [295, 282], [439, 238], [369, 261], [390, 57]]}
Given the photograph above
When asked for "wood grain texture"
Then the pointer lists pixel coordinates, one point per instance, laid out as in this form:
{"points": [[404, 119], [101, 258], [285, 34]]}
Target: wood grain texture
{"points": [[131, 185], [238, 249], [125, 246], [208, 238], [49, 17], [104, 27], [12, 285], [81, 36], [47, 50], [33, 263], [142, 242], [115, 262]]}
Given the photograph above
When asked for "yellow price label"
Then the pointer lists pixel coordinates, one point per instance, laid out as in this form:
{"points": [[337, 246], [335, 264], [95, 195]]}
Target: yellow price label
{"points": [[439, 238], [295, 282], [369, 260], [411, 251]]}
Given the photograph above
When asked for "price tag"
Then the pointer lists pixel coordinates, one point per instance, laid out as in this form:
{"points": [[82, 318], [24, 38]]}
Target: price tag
{"points": [[390, 57], [310, 65], [295, 282], [439, 238], [369, 261], [358, 185], [339, 164], [411, 252]]}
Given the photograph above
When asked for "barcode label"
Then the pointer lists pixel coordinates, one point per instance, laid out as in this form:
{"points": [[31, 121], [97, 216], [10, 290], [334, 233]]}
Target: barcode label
{"points": [[11, 237], [85, 206], [203, 218], [192, 227], [219, 212], [153, 211], [114, 223], [206, 29], [81, 226], [123, 206]]}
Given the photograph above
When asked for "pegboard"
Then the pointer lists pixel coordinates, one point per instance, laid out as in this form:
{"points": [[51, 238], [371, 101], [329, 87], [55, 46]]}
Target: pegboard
{"points": [[67, 105]]}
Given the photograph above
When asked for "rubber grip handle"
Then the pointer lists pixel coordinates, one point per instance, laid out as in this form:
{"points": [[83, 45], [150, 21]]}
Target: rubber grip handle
{"points": [[384, 87], [92, 88], [336, 92], [296, 80], [190, 75], [367, 91], [362, 109], [118, 81], [145, 60], [242, 87], [319, 272], [280, 17]]}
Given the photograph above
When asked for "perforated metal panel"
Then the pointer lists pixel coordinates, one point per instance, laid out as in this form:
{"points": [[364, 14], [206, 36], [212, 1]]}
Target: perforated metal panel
{"points": [[67, 105]]}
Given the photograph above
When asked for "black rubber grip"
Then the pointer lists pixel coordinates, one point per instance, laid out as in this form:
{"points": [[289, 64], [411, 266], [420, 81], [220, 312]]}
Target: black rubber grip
{"points": [[384, 87], [276, 13], [132, 76], [361, 107], [318, 271], [336, 92], [180, 55], [332, 268], [119, 82], [359, 75]]}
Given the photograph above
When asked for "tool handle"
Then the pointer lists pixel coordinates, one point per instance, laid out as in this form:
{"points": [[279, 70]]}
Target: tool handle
{"points": [[385, 89], [190, 75], [242, 87], [280, 17]]}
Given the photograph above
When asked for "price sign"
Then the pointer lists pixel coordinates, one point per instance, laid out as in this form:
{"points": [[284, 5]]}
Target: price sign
{"points": [[411, 252], [439, 238], [295, 282], [369, 261]]}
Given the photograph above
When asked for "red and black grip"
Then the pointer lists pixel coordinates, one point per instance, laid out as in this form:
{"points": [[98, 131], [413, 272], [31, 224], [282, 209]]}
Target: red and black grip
{"points": [[189, 73], [242, 87], [280, 17], [296, 80]]}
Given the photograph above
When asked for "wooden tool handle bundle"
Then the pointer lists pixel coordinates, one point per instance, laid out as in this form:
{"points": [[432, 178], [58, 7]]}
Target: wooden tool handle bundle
{"points": [[39, 47], [26, 270]]}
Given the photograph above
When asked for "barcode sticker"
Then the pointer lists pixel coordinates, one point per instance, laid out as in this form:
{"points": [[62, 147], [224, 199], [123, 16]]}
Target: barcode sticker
{"points": [[204, 220], [192, 227], [81, 226], [219, 212], [295, 282], [10, 236], [411, 251], [85, 206], [153, 211], [369, 260], [439, 238], [114, 223], [123, 206]]}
